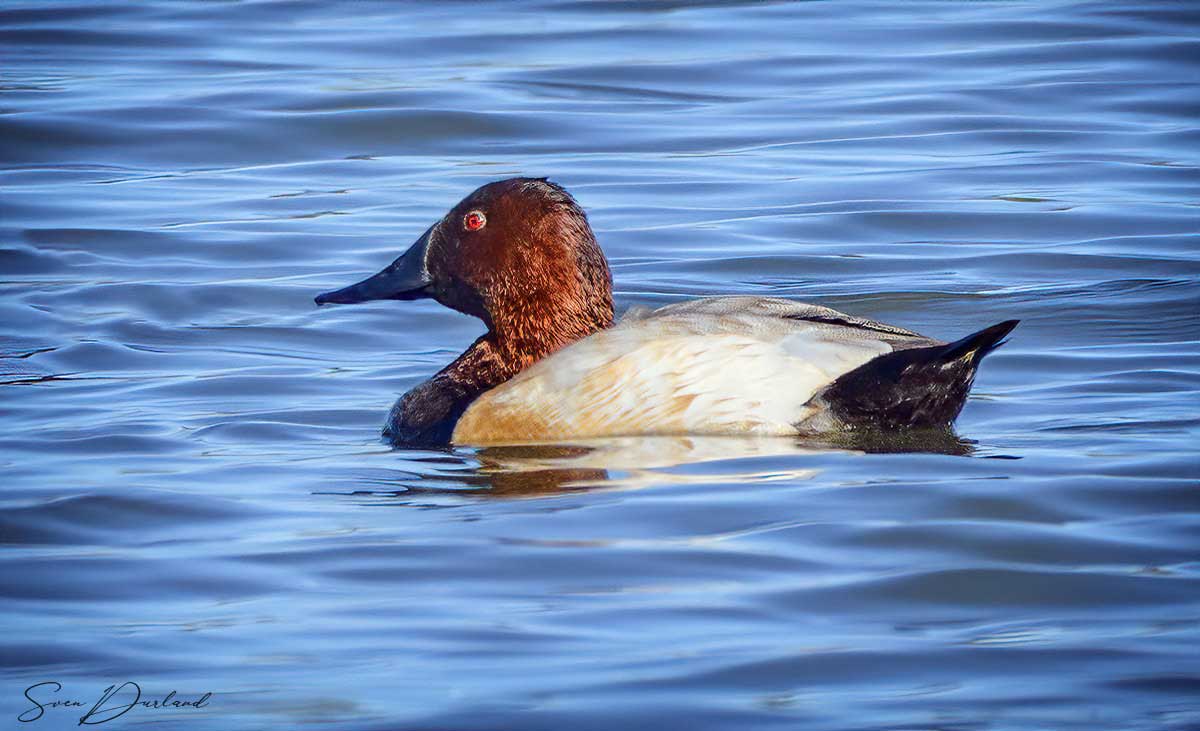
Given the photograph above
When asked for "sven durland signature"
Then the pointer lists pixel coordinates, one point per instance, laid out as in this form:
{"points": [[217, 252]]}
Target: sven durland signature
{"points": [[114, 702]]}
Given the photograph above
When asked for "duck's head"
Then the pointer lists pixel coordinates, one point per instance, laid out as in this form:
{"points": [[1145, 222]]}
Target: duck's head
{"points": [[518, 254]]}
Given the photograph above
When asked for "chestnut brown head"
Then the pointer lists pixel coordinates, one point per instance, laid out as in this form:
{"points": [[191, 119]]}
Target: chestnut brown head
{"points": [[518, 254]]}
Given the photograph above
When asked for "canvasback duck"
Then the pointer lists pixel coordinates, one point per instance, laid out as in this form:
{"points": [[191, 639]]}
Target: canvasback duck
{"points": [[519, 255]]}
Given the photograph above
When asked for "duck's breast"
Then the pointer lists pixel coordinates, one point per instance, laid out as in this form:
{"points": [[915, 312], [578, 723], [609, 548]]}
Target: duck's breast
{"points": [[675, 371]]}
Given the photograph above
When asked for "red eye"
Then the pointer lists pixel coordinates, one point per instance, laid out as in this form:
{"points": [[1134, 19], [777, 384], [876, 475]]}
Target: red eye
{"points": [[474, 221]]}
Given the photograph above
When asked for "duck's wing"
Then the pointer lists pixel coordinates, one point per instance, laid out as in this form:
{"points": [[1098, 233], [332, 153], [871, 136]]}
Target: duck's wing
{"points": [[735, 309], [718, 366]]}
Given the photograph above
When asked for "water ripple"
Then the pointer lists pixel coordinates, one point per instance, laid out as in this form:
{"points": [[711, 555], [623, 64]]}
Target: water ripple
{"points": [[195, 494]]}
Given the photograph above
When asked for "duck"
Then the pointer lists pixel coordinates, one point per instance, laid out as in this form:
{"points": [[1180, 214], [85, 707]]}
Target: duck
{"points": [[554, 364]]}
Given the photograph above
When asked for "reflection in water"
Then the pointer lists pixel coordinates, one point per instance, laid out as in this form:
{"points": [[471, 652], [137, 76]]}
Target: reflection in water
{"points": [[531, 470]]}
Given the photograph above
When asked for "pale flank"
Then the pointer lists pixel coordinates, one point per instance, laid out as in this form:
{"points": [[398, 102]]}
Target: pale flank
{"points": [[732, 365]]}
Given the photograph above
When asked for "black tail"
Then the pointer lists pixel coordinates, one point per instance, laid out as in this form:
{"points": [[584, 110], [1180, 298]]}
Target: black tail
{"points": [[918, 387]]}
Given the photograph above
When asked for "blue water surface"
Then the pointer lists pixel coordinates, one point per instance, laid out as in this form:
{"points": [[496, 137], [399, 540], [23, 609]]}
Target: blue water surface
{"points": [[194, 496]]}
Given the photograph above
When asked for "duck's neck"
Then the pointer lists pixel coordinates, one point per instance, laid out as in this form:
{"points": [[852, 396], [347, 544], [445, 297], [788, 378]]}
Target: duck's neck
{"points": [[426, 415], [513, 344]]}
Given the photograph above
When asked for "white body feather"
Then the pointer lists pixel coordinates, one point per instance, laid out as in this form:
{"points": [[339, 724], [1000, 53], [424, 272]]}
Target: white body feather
{"points": [[732, 365]]}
